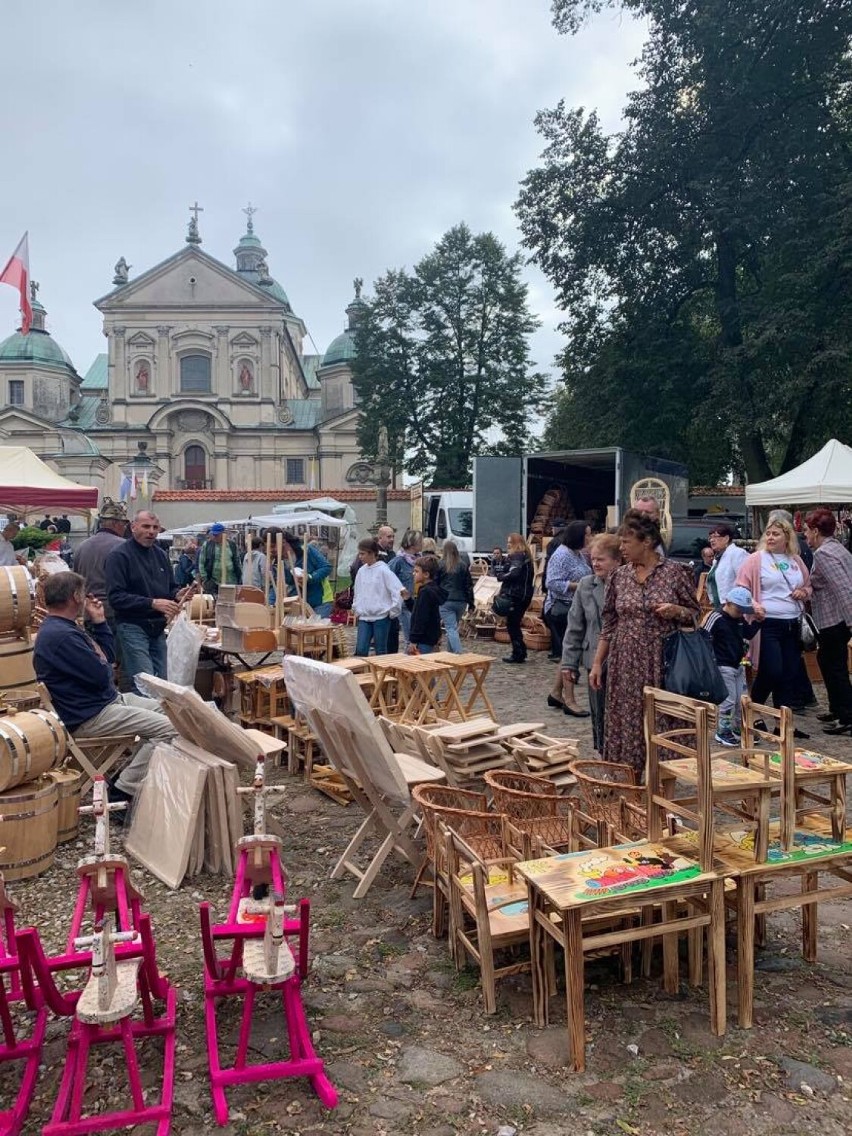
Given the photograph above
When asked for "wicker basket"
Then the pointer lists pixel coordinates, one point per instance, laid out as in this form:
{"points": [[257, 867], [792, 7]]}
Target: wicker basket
{"points": [[603, 784], [501, 635], [536, 635]]}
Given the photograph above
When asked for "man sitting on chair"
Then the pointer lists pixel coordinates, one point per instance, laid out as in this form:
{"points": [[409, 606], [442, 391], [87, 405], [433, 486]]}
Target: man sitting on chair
{"points": [[76, 668]]}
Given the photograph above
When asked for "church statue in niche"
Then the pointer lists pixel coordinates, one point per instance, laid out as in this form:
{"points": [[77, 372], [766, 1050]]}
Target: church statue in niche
{"points": [[246, 378], [143, 377]]}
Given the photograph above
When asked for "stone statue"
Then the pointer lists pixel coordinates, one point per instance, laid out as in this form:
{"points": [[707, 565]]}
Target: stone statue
{"points": [[143, 377], [34, 287], [246, 377], [358, 284], [122, 271]]}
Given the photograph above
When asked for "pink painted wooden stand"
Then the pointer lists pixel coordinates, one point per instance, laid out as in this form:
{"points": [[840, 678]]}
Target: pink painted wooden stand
{"points": [[12, 1046], [269, 952], [40, 988]]}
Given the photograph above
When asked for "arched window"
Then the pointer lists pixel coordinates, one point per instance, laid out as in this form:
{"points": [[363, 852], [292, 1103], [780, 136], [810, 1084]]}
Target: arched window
{"points": [[195, 467], [195, 373]]}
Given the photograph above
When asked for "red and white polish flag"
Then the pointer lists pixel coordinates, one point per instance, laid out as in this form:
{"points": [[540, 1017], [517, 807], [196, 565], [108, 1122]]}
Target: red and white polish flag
{"points": [[17, 273]]}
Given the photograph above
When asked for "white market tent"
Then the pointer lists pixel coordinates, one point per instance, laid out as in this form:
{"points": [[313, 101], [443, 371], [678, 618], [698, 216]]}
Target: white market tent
{"points": [[824, 479], [28, 485], [312, 519]]}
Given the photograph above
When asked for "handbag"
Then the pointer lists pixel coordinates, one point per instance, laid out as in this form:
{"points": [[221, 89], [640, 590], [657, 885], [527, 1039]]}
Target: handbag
{"points": [[502, 605], [690, 667]]}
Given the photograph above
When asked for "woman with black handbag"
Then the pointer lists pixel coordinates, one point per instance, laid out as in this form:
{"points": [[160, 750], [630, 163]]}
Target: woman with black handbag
{"points": [[515, 594]]}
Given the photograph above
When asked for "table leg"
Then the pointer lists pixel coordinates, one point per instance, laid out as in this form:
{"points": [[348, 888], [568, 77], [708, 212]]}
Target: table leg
{"points": [[671, 968], [716, 958], [572, 931], [745, 951], [538, 960], [810, 917], [838, 807]]}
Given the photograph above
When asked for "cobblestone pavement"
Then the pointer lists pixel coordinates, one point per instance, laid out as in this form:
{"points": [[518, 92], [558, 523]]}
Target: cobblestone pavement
{"points": [[404, 1035]]}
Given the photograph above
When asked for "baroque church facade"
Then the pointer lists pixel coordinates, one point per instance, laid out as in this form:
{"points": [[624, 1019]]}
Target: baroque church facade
{"points": [[206, 383]]}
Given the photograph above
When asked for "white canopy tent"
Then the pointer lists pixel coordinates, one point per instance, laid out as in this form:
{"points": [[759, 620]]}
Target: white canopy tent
{"points": [[824, 479], [293, 521]]}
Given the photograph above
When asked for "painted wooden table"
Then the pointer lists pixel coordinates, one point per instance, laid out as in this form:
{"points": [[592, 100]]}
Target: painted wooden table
{"points": [[423, 688], [639, 891], [470, 669], [814, 853]]}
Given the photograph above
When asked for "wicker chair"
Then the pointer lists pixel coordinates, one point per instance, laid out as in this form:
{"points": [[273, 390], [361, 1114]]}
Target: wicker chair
{"points": [[533, 806], [602, 786], [467, 813]]}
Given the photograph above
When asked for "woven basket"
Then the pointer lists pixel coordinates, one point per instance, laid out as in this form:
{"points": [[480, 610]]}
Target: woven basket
{"points": [[501, 635], [602, 785], [536, 635]]}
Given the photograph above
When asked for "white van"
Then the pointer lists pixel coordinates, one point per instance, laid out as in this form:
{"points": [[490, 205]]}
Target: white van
{"points": [[449, 516]]}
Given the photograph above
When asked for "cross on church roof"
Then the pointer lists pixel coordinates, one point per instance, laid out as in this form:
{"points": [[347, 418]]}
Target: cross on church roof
{"points": [[192, 237], [250, 212]]}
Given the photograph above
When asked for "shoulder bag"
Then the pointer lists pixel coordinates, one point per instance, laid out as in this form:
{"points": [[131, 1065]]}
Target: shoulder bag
{"points": [[690, 667], [808, 633]]}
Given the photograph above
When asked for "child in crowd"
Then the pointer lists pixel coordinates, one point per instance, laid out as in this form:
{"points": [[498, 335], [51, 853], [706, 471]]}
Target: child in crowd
{"points": [[425, 632], [729, 630]]}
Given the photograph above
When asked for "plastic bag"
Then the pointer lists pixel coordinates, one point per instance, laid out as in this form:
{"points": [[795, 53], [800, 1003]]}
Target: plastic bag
{"points": [[690, 666], [183, 647]]}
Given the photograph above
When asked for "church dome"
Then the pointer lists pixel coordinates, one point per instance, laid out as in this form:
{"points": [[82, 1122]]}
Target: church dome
{"points": [[38, 349], [341, 349]]}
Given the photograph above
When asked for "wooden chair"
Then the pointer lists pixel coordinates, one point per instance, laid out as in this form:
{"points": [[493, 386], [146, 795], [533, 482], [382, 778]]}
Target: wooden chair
{"points": [[610, 794], [768, 744], [489, 912], [96, 757], [467, 813], [742, 792], [533, 806], [379, 779]]}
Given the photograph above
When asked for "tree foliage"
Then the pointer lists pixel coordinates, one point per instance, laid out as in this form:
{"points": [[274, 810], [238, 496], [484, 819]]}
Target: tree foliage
{"points": [[443, 359], [703, 255]]}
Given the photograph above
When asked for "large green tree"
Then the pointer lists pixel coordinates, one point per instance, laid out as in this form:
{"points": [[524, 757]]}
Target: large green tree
{"points": [[443, 360], [703, 254]]}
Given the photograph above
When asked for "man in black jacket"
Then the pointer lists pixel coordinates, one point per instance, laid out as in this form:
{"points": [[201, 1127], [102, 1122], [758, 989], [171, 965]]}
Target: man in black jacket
{"points": [[144, 596]]}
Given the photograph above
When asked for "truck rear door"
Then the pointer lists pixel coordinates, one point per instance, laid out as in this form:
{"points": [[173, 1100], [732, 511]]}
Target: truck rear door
{"points": [[497, 501]]}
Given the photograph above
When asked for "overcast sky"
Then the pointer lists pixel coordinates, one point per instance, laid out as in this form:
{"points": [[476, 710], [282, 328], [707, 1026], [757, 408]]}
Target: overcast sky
{"points": [[361, 129]]}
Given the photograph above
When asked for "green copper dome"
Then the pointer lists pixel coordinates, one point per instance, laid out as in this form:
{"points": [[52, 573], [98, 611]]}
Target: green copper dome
{"points": [[37, 348], [341, 349]]}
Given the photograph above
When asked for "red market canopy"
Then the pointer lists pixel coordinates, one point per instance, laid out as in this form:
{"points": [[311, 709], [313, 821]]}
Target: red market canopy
{"points": [[28, 485]]}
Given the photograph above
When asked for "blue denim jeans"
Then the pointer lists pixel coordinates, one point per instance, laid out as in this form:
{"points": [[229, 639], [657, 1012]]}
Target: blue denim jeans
{"points": [[451, 612], [373, 631], [424, 648], [141, 652]]}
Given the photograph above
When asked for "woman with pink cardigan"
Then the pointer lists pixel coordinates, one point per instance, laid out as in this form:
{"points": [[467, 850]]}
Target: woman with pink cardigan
{"points": [[779, 581]]}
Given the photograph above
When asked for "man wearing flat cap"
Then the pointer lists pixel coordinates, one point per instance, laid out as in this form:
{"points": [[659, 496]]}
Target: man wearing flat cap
{"points": [[90, 557]]}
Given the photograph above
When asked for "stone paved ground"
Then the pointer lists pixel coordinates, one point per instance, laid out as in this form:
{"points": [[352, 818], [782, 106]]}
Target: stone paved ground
{"points": [[412, 1053]]}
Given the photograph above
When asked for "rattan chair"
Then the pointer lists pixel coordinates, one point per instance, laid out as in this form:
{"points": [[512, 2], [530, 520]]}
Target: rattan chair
{"points": [[602, 785], [532, 805], [467, 813]]}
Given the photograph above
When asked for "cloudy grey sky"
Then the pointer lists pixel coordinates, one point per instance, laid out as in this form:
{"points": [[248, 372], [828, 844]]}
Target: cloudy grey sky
{"points": [[361, 129]]}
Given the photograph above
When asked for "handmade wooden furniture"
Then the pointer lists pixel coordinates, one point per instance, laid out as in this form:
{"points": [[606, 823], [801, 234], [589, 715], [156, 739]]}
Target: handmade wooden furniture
{"points": [[16, 1047], [768, 744], [96, 757], [379, 780], [29, 826], [263, 695], [736, 789], [464, 750], [602, 787], [425, 688], [122, 975], [648, 890], [533, 806], [467, 813], [470, 670], [308, 640], [544, 756]]}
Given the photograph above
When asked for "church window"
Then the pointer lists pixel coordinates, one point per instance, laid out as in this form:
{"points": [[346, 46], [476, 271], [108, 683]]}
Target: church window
{"points": [[16, 392], [195, 467], [295, 471], [195, 373]]}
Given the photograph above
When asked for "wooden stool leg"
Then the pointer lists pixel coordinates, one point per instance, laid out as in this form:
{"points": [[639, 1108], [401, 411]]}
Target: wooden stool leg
{"points": [[810, 917], [716, 958], [671, 968], [745, 952]]}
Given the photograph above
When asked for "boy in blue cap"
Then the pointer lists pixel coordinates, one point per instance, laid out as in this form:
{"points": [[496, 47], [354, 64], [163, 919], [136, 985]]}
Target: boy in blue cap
{"points": [[729, 632]]}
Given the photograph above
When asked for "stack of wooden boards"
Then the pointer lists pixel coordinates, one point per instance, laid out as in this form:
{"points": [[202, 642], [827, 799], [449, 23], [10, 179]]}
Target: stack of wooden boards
{"points": [[467, 750], [199, 790]]}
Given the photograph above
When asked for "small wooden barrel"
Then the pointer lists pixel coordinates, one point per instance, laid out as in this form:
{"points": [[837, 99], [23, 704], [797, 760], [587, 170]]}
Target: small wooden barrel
{"points": [[20, 698], [29, 817], [16, 663], [17, 589], [201, 607], [68, 782], [31, 743]]}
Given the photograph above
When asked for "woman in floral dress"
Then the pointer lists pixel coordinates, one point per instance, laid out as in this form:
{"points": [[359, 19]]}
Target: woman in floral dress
{"points": [[646, 599]]}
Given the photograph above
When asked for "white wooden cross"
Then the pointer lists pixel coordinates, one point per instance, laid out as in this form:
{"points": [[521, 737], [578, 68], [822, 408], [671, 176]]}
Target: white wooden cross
{"points": [[100, 808]]}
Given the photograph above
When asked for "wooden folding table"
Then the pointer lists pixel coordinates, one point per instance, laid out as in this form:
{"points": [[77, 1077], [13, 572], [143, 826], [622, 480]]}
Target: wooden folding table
{"points": [[469, 666], [424, 688]]}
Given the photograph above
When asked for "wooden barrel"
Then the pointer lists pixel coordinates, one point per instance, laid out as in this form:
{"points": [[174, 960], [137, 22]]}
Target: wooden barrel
{"points": [[201, 607], [17, 588], [68, 782], [31, 743], [29, 817], [16, 663]]}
